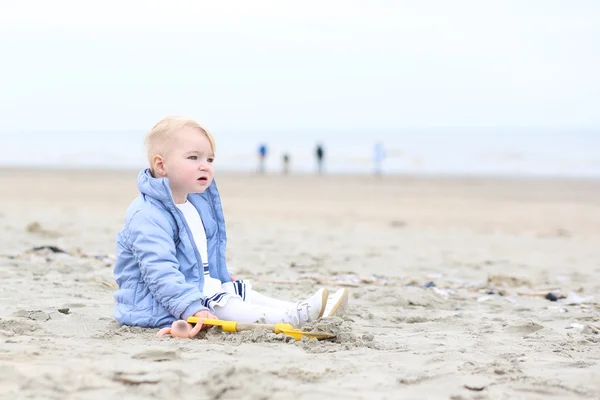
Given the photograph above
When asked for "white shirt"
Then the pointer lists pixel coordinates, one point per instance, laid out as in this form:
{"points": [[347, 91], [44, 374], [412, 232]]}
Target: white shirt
{"points": [[192, 217]]}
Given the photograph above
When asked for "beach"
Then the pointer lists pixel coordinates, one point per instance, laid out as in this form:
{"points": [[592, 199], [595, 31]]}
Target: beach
{"points": [[447, 279]]}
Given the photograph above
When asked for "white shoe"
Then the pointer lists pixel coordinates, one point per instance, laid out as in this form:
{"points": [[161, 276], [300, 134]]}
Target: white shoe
{"points": [[336, 304], [310, 309]]}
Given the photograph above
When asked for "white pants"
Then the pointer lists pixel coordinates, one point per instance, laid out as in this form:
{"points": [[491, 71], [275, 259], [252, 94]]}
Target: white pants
{"points": [[256, 308]]}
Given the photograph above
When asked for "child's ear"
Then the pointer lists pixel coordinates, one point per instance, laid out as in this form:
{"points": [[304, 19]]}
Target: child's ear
{"points": [[158, 166]]}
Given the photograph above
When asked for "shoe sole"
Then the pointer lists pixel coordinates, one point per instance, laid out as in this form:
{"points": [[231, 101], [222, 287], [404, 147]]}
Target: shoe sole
{"points": [[324, 296], [340, 304]]}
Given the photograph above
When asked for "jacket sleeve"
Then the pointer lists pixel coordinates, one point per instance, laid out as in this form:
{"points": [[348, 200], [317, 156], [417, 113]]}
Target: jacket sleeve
{"points": [[153, 247]]}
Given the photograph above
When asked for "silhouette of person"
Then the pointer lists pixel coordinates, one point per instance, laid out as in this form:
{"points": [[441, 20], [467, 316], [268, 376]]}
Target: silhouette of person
{"points": [[262, 155], [378, 157], [320, 154], [286, 163]]}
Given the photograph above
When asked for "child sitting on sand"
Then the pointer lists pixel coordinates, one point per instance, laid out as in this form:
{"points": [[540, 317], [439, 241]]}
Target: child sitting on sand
{"points": [[171, 252]]}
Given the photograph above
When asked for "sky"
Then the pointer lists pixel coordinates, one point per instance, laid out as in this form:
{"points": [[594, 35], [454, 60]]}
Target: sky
{"points": [[252, 66]]}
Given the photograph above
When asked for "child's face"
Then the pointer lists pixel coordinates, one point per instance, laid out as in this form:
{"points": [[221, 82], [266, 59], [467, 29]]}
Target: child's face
{"points": [[188, 163]]}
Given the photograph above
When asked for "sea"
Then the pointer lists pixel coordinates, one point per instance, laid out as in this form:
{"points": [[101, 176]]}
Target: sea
{"points": [[565, 153]]}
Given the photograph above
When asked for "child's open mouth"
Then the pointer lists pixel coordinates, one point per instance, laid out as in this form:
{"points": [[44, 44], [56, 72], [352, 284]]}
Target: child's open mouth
{"points": [[203, 179]]}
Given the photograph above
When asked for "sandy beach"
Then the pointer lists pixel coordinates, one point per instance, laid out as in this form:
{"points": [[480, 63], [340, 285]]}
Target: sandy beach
{"points": [[447, 280]]}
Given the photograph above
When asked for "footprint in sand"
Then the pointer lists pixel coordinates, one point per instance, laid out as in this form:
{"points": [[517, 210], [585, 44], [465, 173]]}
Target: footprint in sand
{"points": [[35, 315], [157, 355], [524, 327], [4, 333], [17, 327]]}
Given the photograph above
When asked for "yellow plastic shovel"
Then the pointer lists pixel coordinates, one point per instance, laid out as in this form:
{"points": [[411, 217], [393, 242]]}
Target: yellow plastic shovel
{"points": [[286, 329]]}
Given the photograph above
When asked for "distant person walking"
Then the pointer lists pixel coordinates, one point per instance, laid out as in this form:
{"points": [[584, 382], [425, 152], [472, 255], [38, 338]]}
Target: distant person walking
{"points": [[262, 155], [320, 154], [286, 163], [378, 157]]}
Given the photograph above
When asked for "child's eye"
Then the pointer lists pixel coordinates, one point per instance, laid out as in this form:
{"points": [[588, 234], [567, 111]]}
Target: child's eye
{"points": [[210, 159], [192, 158]]}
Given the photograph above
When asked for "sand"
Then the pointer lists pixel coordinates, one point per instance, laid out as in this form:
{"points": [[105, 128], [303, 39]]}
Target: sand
{"points": [[484, 243]]}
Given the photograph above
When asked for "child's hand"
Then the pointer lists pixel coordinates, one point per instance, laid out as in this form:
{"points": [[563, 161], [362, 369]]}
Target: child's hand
{"points": [[233, 278], [179, 329], [199, 325]]}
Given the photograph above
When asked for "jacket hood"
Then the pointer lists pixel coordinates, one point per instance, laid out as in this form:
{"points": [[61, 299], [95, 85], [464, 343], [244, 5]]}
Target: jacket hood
{"points": [[157, 188]]}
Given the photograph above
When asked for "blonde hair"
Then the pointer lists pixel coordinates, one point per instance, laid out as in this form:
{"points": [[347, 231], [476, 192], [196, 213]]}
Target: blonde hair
{"points": [[164, 130]]}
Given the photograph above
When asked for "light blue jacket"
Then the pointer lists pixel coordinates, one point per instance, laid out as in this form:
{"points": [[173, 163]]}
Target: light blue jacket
{"points": [[158, 267]]}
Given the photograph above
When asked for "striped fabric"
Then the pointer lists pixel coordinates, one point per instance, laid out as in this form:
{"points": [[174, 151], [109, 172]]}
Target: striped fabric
{"points": [[218, 293]]}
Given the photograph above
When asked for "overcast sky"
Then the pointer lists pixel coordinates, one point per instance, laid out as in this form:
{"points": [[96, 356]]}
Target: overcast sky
{"points": [[283, 65]]}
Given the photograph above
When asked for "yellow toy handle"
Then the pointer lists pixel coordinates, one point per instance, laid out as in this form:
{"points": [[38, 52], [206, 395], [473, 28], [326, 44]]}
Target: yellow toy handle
{"points": [[233, 326], [228, 326]]}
